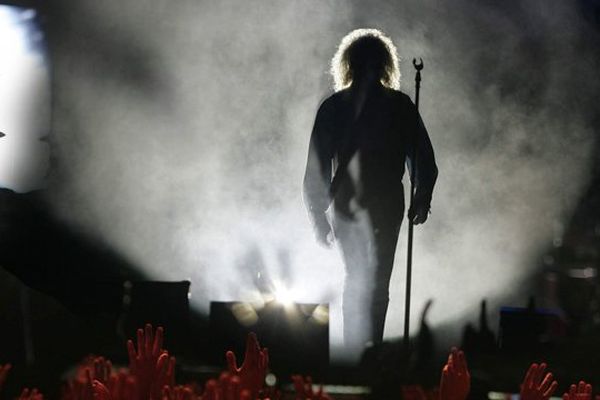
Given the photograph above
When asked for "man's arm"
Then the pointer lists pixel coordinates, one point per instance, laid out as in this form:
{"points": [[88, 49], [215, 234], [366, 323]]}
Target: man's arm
{"points": [[426, 170], [317, 177]]}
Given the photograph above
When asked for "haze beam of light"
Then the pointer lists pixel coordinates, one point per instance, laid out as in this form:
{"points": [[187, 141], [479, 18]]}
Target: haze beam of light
{"points": [[181, 133], [24, 101]]}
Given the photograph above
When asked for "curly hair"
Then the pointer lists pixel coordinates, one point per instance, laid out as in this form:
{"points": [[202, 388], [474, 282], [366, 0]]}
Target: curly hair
{"points": [[364, 49]]}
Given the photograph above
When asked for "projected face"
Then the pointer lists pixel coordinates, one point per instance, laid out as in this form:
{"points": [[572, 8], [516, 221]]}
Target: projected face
{"points": [[24, 101]]}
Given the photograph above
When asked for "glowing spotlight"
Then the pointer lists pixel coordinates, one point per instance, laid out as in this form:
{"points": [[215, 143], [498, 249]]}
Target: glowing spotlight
{"points": [[321, 314], [244, 313], [283, 296]]}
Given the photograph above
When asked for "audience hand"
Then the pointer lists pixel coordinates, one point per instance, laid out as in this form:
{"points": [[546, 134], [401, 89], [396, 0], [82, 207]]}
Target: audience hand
{"points": [[228, 387], [181, 392], [101, 392], [456, 380], [32, 394], [413, 392], [304, 389], [582, 391], [165, 375], [253, 371], [102, 370], [536, 385], [123, 386], [3, 373], [144, 363], [81, 386]]}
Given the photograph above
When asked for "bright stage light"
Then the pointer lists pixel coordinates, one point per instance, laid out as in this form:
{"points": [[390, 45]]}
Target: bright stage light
{"points": [[283, 295], [24, 101]]}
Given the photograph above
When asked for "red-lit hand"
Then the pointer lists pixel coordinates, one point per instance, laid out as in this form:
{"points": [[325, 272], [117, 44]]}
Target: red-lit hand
{"points": [[80, 387], [123, 386], [413, 392], [102, 370], [537, 385], [456, 380], [271, 393], [254, 369], [32, 394], [143, 363], [101, 392], [304, 389], [433, 394], [3, 373], [228, 387], [178, 393], [582, 391], [165, 375]]}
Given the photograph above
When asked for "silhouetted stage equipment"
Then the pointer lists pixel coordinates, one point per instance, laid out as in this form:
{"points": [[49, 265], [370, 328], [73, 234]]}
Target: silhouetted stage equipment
{"points": [[163, 304], [529, 329], [297, 335]]}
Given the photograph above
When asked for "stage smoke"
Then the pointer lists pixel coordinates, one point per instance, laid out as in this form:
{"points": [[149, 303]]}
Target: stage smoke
{"points": [[180, 131]]}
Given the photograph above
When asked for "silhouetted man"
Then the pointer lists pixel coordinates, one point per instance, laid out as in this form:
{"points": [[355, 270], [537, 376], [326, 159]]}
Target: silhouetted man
{"points": [[363, 136]]}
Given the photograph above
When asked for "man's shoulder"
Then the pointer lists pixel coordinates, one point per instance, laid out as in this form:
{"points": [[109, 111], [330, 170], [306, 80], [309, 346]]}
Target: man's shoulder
{"points": [[333, 98], [398, 95], [331, 102]]}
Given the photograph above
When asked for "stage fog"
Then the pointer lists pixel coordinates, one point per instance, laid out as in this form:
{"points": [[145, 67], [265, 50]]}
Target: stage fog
{"points": [[180, 133]]}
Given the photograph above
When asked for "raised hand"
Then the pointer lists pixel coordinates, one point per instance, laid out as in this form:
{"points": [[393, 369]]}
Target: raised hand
{"points": [[165, 375], [433, 394], [253, 371], [536, 385], [144, 363], [32, 394], [228, 387], [456, 380], [211, 390], [102, 370], [3, 373], [81, 386], [304, 389], [178, 393], [413, 392], [270, 393], [582, 391], [149, 348], [123, 386], [101, 392]]}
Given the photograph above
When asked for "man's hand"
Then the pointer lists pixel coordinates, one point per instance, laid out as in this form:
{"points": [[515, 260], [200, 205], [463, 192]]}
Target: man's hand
{"points": [[419, 210], [325, 237], [323, 232], [418, 215]]}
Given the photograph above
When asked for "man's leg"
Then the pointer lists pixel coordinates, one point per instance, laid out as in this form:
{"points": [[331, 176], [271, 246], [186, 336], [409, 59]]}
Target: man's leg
{"points": [[355, 241], [386, 228]]}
